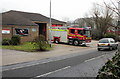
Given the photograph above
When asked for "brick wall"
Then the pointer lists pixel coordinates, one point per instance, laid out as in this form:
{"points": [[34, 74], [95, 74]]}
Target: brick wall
{"points": [[32, 32]]}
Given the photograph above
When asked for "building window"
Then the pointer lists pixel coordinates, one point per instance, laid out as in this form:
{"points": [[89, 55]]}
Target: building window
{"points": [[34, 29], [20, 31]]}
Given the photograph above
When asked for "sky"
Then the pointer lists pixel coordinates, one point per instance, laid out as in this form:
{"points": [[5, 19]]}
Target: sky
{"points": [[61, 9]]}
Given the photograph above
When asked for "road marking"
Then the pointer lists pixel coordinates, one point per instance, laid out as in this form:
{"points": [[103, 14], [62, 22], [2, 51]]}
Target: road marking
{"points": [[44, 63], [31, 65], [26, 66], [20, 67], [52, 72], [94, 58]]}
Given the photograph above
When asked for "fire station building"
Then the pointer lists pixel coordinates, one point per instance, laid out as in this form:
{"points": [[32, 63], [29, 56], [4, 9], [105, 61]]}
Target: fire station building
{"points": [[26, 25]]}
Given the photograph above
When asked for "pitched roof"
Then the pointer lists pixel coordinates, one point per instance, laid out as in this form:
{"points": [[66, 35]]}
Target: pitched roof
{"points": [[24, 18]]}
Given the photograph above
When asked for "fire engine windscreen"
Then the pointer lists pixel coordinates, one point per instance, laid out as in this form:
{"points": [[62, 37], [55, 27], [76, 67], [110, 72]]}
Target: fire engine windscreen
{"points": [[87, 33], [84, 32]]}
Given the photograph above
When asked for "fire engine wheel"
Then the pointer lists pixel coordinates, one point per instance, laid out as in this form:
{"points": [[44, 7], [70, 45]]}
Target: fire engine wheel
{"points": [[56, 41], [75, 42]]}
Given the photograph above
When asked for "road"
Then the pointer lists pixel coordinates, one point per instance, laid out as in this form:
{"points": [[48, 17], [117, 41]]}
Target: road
{"points": [[63, 67], [88, 68], [48, 68]]}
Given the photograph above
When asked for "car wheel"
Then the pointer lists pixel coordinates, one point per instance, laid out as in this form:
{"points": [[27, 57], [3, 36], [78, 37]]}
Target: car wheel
{"points": [[75, 42], [110, 48], [99, 49]]}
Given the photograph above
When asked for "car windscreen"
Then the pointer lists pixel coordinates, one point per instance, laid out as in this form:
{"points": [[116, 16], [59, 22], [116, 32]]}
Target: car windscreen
{"points": [[103, 41]]}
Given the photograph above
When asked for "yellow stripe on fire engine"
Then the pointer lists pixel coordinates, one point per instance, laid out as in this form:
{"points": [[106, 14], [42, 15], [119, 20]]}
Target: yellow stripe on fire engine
{"points": [[89, 38], [80, 36], [58, 30], [71, 35]]}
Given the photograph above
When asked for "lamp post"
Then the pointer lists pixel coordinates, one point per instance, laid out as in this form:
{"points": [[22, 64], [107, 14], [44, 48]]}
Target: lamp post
{"points": [[118, 24], [119, 13], [50, 26]]}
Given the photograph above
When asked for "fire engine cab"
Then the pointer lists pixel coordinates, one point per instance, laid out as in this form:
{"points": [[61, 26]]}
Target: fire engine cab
{"points": [[75, 36]]}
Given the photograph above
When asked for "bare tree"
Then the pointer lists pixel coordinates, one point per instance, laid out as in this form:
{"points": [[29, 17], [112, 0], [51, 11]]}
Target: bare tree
{"points": [[85, 22], [114, 6], [102, 18], [116, 9]]}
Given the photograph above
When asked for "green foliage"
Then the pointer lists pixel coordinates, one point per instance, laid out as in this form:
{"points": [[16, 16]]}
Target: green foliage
{"points": [[110, 35], [6, 41], [111, 70], [96, 34], [38, 44], [41, 44], [15, 40], [27, 46]]}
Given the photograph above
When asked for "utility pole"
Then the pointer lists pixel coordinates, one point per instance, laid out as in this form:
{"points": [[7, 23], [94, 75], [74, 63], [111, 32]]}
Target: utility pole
{"points": [[50, 26], [119, 13], [118, 24]]}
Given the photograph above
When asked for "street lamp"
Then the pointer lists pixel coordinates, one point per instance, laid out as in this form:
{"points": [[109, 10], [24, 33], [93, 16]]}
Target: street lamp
{"points": [[50, 26], [119, 13]]}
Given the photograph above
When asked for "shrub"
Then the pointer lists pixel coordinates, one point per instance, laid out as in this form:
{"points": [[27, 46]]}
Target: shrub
{"points": [[110, 35], [41, 44], [6, 41], [111, 70], [15, 40]]}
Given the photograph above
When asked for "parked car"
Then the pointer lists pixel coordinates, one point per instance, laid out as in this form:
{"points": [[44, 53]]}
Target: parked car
{"points": [[107, 43]]}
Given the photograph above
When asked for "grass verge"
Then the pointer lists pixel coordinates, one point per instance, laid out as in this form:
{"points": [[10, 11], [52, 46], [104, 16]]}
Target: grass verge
{"points": [[28, 47]]}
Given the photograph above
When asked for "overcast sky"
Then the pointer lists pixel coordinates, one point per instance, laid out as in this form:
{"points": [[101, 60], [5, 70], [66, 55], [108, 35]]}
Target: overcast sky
{"points": [[61, 9]]}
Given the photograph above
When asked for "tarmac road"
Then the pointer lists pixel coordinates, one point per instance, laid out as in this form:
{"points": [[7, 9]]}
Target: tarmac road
{"points": [[13, 57], [58, 66], [40, 70]]}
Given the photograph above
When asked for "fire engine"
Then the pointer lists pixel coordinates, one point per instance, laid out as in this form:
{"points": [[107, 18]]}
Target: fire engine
{"points": [[75, 36]]}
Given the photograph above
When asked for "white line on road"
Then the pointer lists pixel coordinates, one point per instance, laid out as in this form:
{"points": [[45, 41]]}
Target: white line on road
{"points": [[29, 65], [20, 67], [25, 66], [94, 58], [40, 63], [52, 72]]}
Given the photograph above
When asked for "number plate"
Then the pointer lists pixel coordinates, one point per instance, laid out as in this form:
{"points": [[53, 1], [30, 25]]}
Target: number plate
{"points": [[103, 44], [88, 38]]}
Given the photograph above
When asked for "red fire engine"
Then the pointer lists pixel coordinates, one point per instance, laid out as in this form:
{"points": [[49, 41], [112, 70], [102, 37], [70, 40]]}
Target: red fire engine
{"points": [[75, 36]]}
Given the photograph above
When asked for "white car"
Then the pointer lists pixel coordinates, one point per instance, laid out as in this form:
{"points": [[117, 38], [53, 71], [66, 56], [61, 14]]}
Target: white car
{"points": [[107, 43]]}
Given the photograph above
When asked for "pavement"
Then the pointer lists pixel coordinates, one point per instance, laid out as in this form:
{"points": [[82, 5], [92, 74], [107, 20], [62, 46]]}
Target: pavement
{"points": [[9, 57]]}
